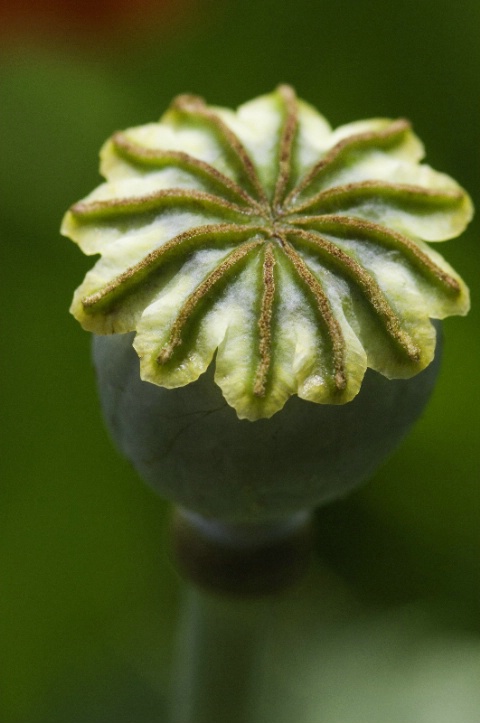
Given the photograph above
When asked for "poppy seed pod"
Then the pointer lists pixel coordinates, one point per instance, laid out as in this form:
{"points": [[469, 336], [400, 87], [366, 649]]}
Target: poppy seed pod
{"points": [[253, 265]]}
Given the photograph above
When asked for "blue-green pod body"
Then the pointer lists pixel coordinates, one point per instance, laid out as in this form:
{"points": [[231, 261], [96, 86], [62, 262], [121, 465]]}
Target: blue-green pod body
{"points": [[190, 446]]}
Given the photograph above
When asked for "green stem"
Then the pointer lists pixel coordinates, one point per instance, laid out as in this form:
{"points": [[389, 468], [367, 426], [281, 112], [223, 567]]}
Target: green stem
{"points": [[223, 636], [220, 651]]}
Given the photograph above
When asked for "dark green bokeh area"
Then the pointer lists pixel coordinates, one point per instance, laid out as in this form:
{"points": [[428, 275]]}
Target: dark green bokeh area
{"points": [[88, 597]]}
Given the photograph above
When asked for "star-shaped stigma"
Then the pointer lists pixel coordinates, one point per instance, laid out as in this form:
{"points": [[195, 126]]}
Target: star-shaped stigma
{"points": [[293, 254]]}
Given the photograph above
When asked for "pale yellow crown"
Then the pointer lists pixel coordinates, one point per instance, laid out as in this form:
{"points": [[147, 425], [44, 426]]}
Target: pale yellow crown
{"points": [[292, 254]]}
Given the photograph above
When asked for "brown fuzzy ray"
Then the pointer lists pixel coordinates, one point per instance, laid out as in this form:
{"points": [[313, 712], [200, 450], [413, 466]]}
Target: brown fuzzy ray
{"points": [[287, 139], [86, 211], [138, 155], [367, 284], [389, 136], [194, 106], [233, 258], [127, 281], [358, 228], [323, 307], [265, 323], [379, 190]]}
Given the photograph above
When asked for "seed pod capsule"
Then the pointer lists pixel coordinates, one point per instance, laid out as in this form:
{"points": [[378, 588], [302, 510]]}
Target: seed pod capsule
{"points": [[259, 263]]}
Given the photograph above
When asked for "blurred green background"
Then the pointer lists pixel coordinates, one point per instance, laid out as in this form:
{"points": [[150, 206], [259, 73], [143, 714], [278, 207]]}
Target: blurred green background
{"points": [[88, 597]]}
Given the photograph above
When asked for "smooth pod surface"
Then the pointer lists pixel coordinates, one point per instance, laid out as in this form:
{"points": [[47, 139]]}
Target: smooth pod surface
{"points": [[189, 444]]}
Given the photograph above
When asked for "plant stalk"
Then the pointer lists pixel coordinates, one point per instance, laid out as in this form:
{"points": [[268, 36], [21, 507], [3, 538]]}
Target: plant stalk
{"points": [[219, 660], [223, 633]]}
